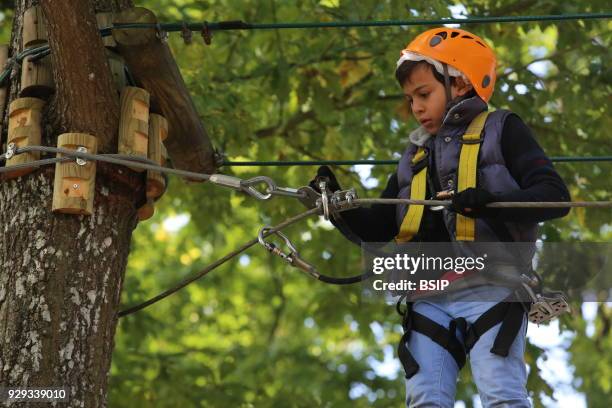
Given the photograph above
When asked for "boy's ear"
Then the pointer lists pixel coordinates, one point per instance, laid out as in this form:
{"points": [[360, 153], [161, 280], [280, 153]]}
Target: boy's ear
{"points": [[462, 86]]}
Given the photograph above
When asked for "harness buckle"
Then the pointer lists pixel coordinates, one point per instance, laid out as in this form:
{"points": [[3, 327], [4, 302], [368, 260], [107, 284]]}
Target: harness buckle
{"points": [[420, 164]]}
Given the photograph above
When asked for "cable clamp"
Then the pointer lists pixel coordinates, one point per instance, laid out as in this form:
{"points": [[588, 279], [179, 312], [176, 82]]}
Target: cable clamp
{"points": [[206, 33], [343, 200], [11, 150], [160, 33], [186, 33], [80, 161], [292, 258]]}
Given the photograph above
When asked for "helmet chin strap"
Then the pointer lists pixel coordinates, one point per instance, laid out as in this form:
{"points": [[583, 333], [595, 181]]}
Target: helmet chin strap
{"points": [[447, 86]]}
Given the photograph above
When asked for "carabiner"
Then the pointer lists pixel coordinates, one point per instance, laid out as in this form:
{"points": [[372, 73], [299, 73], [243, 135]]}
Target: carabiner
{"points": [[292, 258]]}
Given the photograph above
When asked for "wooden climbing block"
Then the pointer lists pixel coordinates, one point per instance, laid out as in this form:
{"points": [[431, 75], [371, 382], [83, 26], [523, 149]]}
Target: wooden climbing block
{"points": [[158, 132], [105, 20], [36, 77], [24, 129], [117, 68], [34, 28], [134, 123], [146, 211], [74, 185], [152, 65]]}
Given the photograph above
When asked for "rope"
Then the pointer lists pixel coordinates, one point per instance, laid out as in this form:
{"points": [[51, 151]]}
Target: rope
{"points": [[143, 163], [229, 163], [503, 204], [146, 164], [217, 263], [241, 25]]}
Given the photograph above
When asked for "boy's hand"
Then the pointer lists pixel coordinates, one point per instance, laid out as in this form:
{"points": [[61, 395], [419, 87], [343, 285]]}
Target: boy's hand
{"points": [[325, 172], [471, 202]]}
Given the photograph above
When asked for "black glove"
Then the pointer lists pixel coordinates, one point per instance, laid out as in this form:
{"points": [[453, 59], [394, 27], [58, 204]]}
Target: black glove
{"points": [[325, 173], [471, 203]]}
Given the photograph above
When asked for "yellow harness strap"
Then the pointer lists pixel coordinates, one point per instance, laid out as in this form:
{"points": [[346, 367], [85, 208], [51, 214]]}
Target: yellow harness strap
{"points": [[468, 163], [412, 219]]}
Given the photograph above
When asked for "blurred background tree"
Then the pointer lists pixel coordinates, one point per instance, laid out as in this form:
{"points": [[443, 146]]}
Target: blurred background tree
{"points": [[256, 332]]}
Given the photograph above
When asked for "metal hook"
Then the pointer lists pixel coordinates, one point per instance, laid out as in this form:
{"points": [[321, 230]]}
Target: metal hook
{"points": [[248, 187], [292, 258]]}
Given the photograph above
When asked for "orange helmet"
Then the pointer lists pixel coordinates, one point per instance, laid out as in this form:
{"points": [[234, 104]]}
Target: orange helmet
{"points": [[459, 49]]}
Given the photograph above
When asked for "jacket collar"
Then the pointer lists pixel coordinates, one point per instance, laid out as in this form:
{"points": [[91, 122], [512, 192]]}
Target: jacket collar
{"points": [[460, 114], [463, 112]]}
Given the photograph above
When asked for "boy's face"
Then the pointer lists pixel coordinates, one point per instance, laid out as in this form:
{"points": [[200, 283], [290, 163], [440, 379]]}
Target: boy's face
{"points": [[427, 97]]}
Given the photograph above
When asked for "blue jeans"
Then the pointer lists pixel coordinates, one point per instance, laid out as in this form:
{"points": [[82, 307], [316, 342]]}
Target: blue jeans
{"points": [[501, 381]]}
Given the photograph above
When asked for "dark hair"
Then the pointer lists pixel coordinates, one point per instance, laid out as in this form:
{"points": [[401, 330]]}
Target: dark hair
{"points": [[403, 72]]}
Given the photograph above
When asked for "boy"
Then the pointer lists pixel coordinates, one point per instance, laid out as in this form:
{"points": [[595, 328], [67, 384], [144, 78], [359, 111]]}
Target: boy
{"points": [[448, 76]]}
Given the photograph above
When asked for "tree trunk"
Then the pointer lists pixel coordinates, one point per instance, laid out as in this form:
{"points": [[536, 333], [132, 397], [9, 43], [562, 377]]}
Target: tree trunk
{"points": [[61, 275]]}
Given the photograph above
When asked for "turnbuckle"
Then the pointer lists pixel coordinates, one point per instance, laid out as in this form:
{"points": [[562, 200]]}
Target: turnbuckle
{"points": [[292, 258]]}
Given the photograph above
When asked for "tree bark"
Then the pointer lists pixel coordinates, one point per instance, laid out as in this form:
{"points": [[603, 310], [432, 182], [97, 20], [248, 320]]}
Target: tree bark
{"points": [[61, 275], [80, 71]]}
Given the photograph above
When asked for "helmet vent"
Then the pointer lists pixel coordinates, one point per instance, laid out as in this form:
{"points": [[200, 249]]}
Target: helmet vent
{"points": [[435, 40], [442, 34], [481, 44], [467, 36], [486, 81], [454, 34]]}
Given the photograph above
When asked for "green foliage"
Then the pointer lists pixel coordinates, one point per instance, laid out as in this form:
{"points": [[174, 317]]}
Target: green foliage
{"points": [[256, 332]]}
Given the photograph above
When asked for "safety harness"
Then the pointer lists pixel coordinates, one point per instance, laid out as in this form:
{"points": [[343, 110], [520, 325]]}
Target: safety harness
{"points": [[510, 312], [468, 161]]}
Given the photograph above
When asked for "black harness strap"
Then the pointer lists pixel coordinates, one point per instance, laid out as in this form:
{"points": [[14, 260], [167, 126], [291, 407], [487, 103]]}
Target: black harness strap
{"points": [[446, 338], [408, 362], [509, 314]]}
